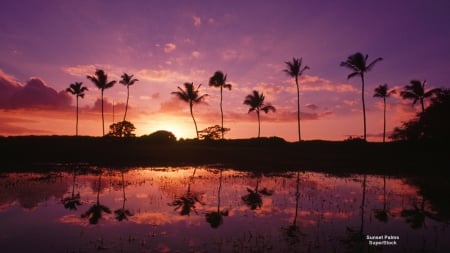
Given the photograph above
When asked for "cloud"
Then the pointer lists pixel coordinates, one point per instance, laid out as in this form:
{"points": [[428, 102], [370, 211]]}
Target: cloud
{"points": [[312, 106], [230, 55], [315, 83], [172, 105], [195, 54], [169, 47], [197, 21], [34, 94]]}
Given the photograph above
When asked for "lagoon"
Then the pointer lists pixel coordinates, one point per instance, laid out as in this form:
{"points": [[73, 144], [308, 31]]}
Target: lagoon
{"points": [[81, 208]]}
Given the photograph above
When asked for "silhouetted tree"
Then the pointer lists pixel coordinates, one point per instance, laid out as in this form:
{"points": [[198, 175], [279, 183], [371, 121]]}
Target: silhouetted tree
{"points": [[382, 214], [215, 218], [358, 64], [294, 69], [191, 96], [219, 79], [382, 92], [186, 202], [122, 213], [256, 103], [127, 80], [416, 92], [433, 123], [293, 229], [94, 213], [100, 79], [77, 89], [122, 129], [212, 132]]}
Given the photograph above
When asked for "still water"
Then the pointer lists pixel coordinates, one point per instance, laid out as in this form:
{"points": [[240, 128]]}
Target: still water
{"points": [[203, 209]]}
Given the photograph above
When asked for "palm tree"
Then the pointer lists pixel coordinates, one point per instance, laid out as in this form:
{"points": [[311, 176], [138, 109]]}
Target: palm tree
{"points": [[253, 198], [382, 92], [416, 92], [382, 214], [71, 202], [256, 103], [215, 218], [100, 79], [358, 64], [186, 202], [294, 69], [127, 80], [191, 96], [122, 213], [220, 80], [94, 213], [78, 90]]}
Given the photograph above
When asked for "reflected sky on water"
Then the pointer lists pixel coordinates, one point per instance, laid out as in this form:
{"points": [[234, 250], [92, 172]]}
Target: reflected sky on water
{"points": [[205, 209]]}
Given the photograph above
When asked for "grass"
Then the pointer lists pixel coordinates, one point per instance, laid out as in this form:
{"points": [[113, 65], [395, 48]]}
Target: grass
{"points": [[274, 154]]}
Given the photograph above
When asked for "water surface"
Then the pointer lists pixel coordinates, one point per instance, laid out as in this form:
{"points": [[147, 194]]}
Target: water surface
{"points": [[202, 209]]}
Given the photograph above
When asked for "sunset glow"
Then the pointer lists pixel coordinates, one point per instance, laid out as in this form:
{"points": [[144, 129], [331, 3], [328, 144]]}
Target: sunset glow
{"points": [[47, 45]]}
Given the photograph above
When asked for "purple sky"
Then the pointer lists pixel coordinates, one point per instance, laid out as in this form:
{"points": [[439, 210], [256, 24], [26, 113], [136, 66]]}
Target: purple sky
{"points": [[167, 43]]}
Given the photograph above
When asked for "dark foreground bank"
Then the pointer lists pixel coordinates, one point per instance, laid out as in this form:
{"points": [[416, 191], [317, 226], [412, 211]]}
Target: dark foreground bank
{"points": [[252, 154]]}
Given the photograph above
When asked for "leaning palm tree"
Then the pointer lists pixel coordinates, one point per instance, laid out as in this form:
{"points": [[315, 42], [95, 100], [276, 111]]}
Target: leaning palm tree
{"points": [[382, 92], [220, 80], [191, 96], [358, 64], [416, 92], [127, 80], [78, 90], [294, 69], [256, 103], [100, 79]]}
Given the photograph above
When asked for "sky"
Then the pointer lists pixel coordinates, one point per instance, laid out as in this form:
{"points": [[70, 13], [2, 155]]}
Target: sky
{"points": [[47, 45]]}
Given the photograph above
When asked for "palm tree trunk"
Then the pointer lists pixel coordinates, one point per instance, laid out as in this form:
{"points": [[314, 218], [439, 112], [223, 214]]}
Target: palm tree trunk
{"points": [[363, 202], [218, 191], [384, 119], [259, 123], [192, 115], [126, 105], [363, 104], [422, 104], [298, 108], [76, 126], [103, 118], [221, 110], [297, 196]]}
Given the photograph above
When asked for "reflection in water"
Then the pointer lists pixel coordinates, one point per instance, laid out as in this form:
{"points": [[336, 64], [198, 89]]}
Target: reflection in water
{"points": [[71, 202], [317, 212], [215, 218], [94, 213]]}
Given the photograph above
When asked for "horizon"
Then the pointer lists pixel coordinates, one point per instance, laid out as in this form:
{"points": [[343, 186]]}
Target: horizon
{"points": [[47, 47]]}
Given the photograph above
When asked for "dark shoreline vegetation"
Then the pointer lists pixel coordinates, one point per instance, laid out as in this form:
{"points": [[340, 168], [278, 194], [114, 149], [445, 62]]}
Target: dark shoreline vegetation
{"points": [[256, 154]]}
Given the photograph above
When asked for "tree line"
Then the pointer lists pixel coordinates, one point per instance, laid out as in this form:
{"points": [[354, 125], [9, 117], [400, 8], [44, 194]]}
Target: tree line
{"points": [[358, 64]]}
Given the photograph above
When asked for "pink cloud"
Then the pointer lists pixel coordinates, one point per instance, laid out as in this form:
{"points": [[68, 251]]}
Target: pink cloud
{"points": [[169, 47]]}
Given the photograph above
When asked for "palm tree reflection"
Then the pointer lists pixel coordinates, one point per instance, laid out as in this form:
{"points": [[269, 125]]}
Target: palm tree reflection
{"points": [[215, 218], [293, 230], [122, 213], [71, 202], [417, 215], [253, 198], [95, 211], [382, 214], [186, 203]]}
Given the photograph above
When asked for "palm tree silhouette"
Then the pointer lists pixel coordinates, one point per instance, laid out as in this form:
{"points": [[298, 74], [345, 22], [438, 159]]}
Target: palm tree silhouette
{"points": [[191, 96], [122, 213], [186, 202], [382, 92], [94, 213], [294, 69], [71, 202], [127, 80], [256, 103], [358, 64], [100, 79], [253, 198], [78, 90], [215, 218], [293, 229], [416, 92], [220, 80]]}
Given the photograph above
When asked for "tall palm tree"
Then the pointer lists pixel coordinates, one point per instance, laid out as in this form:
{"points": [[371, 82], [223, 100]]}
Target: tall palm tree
{"points": [[220, 80], [256, 103], [94, 213], [382, 92], [191, 95], [100, 79], [122, 213], [71, 202], [186, 202], [78, 90], [416, 92], [127, 80], [294, 69], [358, 64], [215, 218]]}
